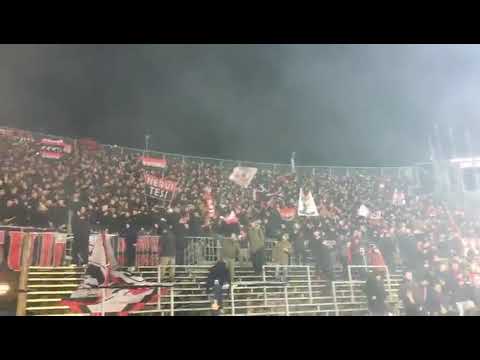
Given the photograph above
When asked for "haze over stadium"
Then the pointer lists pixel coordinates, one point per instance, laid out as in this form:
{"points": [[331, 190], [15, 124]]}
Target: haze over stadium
{"points": [[332, 104], [166, 230]]}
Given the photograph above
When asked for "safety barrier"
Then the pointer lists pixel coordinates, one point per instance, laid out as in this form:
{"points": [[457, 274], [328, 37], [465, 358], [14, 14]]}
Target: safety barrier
{"points": [[350, 279], [49, 253], [285, 268], [202, 250], [188, 296], [264, 285]]}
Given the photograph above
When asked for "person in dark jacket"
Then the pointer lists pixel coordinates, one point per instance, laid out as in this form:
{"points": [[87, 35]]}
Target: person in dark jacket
{"points": [[218, 280], [130, 232], [421, 296], [60, 215], [406, 295], [169, 248], [299, 245], [376, 294], [437, 302], [180, 230], [387, 247], [195, 225], [81, 234], [321, 254]]}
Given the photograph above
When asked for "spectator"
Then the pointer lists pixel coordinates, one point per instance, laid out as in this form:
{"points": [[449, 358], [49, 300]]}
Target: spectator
{"points": [[280, 255], [375, 258], [81, 233], [376, 294], [256, 238], [130, 233], [299, 244], [167, 258], [437, 302], [218, 280], [421, 296], [407, 293], [230, 251]]}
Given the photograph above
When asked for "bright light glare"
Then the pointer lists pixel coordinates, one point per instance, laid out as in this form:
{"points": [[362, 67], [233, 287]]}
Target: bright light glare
{"points": [[4, 288]]}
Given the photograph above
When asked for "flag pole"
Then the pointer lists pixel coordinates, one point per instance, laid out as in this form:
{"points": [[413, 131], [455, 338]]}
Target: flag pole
{"points": [[173, 195], [147, 138]]}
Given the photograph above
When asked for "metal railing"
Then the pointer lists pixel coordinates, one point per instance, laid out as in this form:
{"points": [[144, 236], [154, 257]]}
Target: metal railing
{"points": [[202, 250], [351, 281], [67, 250], [285, 268], [259, 284], [265, 296]]}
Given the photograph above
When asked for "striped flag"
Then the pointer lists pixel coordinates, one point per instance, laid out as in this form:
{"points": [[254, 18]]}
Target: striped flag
{"points": [[154, 162], [123, 290]]}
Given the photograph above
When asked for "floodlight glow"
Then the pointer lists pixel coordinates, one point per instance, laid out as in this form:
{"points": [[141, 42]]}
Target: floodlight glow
{"points": [[4, 288], [461, 160]]}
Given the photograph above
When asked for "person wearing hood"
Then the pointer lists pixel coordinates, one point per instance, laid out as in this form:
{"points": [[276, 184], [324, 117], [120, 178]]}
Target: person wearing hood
{"points": [[218, 280]]}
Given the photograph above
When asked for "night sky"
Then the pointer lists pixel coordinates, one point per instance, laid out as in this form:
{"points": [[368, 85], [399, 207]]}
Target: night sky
{"points": [[332, 104]]}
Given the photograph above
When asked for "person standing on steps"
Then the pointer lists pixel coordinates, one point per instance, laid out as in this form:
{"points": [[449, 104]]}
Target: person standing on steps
{"points": [[81, 234], [230, 251], [280, 255], [407, 295], [218, 281], [130, 233], [376, 294], [167, 259], [256, 238]]}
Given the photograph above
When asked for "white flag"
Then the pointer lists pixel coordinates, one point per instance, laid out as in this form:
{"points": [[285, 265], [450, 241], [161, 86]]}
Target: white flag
{"points": [[398, 198], [363, 211], [306, 204], [243, 175]]}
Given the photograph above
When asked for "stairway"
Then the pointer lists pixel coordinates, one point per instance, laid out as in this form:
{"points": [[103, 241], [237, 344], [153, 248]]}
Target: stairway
{"points": [[48, 286]]}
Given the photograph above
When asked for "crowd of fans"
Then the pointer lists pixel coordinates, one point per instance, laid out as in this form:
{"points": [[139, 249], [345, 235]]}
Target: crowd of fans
{"points": [[105, 190]]}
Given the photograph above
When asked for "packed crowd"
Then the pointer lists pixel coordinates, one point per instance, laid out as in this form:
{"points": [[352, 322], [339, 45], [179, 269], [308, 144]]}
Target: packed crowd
{"points": [[105, 190]]}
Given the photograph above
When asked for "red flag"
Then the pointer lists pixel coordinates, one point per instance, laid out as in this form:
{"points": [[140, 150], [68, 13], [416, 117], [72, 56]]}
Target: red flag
{"points": [[154, 162], [231, 219], [287, 214]]}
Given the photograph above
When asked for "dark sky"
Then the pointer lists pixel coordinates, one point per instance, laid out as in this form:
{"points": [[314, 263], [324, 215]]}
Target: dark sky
{"points": [[332, 104]]}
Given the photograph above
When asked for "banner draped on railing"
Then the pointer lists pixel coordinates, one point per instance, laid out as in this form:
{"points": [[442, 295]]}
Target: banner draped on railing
{"points": [[48, 248]]}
